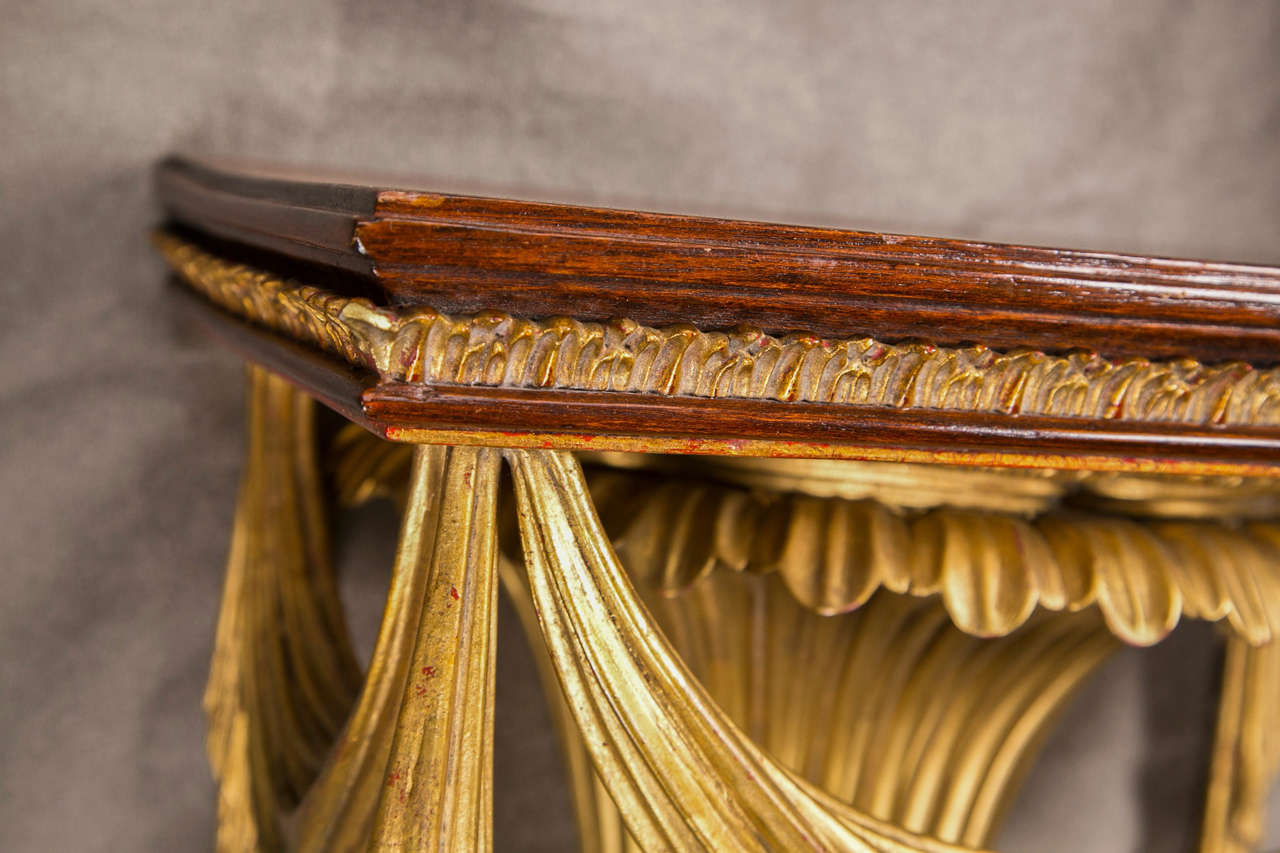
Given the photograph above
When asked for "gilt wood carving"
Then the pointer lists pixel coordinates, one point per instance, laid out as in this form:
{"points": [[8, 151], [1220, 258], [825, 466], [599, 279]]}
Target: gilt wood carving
{"points": [[497, 380], [743, 650], [419, 345]]}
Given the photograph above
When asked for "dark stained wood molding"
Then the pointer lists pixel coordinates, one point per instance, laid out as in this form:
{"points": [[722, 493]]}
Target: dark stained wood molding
{"points": [[462, 254], [622, 421], [311, 222], [407, 405]]}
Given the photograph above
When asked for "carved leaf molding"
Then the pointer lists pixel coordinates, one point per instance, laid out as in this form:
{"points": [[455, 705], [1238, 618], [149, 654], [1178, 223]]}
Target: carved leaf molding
{"points": [[491, 348]]}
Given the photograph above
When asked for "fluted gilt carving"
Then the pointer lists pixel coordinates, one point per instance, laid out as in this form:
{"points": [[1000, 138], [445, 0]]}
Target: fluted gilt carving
{"points": [[413, 769], [683, 774], [992, 570], [283, 674], [889, 709], [705, 700], [1246, 751], [951, 722]]}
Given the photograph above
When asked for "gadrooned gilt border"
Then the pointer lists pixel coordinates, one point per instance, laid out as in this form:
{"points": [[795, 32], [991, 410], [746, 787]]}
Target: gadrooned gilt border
{"points": [[418, 344]]}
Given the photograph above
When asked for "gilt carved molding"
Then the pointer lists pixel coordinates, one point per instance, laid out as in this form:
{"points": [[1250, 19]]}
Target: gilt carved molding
{"points": [[992, 561], [991, 570], [490, 348]]}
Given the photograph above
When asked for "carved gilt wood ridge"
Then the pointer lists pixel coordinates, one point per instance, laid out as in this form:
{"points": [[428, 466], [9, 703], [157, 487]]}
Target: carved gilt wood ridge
{"points": [[992, 566], [491, 348]]}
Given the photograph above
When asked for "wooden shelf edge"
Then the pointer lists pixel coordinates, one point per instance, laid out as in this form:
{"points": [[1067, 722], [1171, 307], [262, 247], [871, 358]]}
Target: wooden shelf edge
{"points": [[581, 420]]}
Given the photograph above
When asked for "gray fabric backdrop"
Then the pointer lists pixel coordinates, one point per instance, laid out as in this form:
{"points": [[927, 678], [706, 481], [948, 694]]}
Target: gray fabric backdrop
{"points": [[1142, 126]]}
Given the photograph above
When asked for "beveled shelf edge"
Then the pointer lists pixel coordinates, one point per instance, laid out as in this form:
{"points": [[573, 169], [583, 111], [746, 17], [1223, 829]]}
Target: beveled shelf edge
{"points": [[465, 254], [301, 220], [464, 415]]}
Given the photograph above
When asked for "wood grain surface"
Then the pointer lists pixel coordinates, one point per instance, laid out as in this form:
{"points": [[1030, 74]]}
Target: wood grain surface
{"points": [[461, 253]]}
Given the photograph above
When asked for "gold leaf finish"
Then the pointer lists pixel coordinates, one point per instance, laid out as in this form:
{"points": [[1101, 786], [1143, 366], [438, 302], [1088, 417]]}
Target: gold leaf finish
{"points": [[1246, 753], [954, 721], [992, 570], [283, 674], [902, 485], [422, 345], [890, 709], [413, 768], [600, 825], [1187, 496], [684, 776], [989, 567], [705, 700]]}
